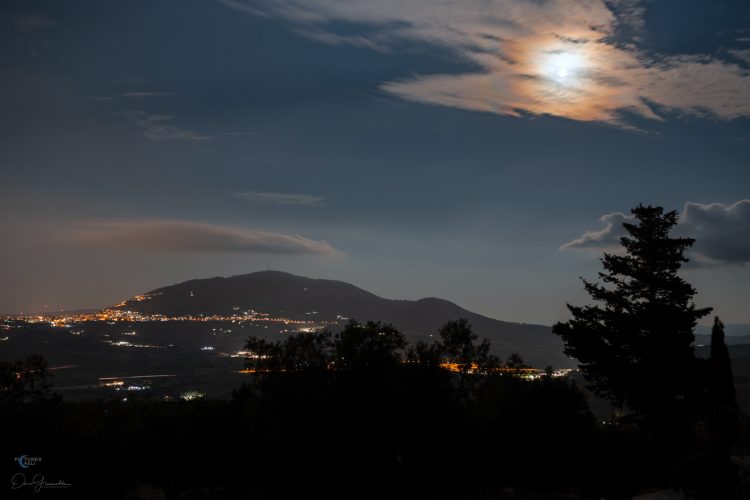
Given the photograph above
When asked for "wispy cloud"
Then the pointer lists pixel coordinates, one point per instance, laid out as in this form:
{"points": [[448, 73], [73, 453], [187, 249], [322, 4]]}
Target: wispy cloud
{"points": [[722, 232], [553, 57], [133, 95], [158, 128], [33, 22], [606, 238], [148, 94], [742, 54], [281, 198], [187, 236], [244, 7], [238, 133]]}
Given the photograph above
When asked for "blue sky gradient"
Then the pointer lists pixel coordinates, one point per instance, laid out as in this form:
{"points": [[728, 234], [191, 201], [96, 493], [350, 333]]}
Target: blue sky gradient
{"points": [[119, 114]]}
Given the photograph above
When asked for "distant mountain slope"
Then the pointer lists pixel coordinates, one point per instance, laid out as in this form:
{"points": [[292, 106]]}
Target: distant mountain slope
{"points": [[730, 330], [282, 294], [704, 339]]}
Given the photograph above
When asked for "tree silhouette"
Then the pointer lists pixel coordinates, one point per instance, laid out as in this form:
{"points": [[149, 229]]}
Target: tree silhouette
{"points": [[515, 361], [458, 347], [24, 380], [459, 351], [720, 378], [357, 347], [424, 354], [368, 346], [635, 345], [724, 418]]}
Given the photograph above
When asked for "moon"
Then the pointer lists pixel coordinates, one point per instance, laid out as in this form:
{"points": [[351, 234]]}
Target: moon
{"points": [[562, 66]]}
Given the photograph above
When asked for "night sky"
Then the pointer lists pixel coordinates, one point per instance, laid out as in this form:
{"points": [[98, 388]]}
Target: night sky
{"points": [[482, 152]]}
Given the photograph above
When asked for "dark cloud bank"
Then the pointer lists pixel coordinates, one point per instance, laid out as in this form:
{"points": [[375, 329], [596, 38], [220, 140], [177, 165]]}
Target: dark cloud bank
{"points": [[722, 233]]}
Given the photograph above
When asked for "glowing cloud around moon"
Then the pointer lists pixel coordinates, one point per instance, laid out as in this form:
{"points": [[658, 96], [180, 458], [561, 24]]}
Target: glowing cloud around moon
{"points": [[562, 67]]}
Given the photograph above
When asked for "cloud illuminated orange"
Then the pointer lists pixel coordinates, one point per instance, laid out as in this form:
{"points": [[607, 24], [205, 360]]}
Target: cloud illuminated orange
{"points": [[515, 44]]}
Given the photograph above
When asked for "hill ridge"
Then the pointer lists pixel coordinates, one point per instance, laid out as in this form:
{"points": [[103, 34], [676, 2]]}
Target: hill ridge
{"points": [[279, 293]]}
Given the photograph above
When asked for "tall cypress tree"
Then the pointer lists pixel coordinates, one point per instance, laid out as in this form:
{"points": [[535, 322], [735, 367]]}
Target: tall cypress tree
{"points": [[634, 345], [720, 378]]}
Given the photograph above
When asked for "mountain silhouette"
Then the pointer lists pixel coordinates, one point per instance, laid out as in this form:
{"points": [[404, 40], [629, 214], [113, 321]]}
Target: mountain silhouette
{"points": [[286, 295]]}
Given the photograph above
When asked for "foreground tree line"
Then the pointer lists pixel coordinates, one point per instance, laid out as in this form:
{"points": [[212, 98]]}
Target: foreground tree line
{"points": [[635, 347], [362, 413], [389, 421]]}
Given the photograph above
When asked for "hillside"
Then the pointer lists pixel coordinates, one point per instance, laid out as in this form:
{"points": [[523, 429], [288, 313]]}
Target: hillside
{"points": [[282, 294]]}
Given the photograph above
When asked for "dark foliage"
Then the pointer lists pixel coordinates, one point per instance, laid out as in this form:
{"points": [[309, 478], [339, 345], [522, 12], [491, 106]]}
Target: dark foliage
{"points": [[635, 344], [24, 380], [635, 347], [720, 378], [358, 414], [354, 415]]}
